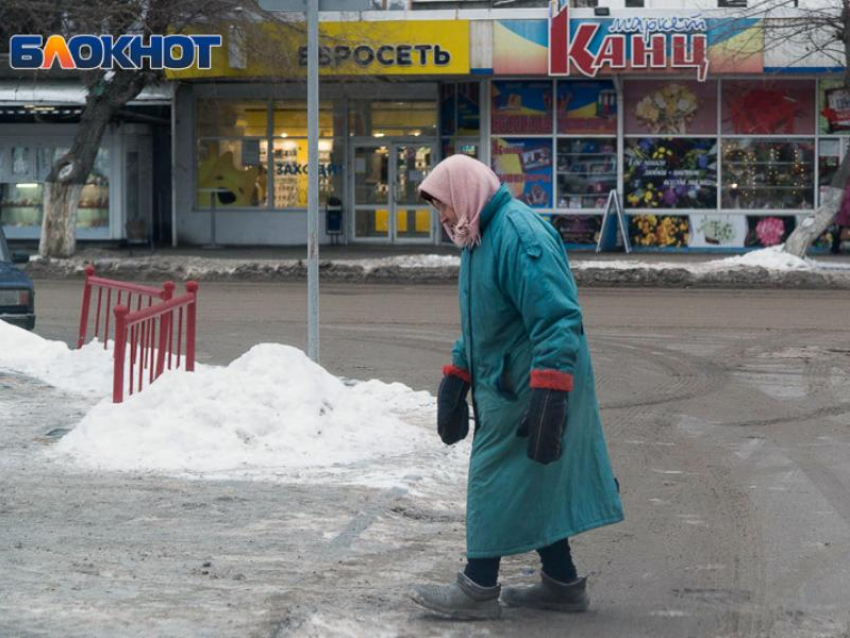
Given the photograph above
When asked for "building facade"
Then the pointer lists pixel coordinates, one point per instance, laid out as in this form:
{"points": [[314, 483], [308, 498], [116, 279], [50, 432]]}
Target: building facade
{"points": [[708, 131]]}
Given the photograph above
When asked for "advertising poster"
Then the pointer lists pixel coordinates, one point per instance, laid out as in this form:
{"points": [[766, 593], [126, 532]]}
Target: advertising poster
{"points": [[718, 231], [774, 107], [525, 165], [587, 108], [468, 108], [670, 107], [579, 230], [521, 108], [659, 231], [670, 173], [763, 232], [834, 108], [520, 47]]}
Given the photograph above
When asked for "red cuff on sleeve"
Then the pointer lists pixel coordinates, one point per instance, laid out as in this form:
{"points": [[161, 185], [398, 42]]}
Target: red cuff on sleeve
{"points": [[457, 372], [551, 380]]}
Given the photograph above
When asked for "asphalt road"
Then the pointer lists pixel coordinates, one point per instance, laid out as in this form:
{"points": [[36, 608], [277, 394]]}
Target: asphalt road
{"points": [[727, 417]]}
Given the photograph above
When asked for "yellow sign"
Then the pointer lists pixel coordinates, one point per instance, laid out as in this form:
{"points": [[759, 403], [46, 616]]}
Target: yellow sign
{"points": [[408, 47]]}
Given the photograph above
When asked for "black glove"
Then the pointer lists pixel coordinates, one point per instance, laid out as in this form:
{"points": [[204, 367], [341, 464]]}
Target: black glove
{"points": [[544, 424], [452, 409]]}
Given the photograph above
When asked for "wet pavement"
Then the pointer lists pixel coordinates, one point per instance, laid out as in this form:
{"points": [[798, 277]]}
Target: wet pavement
{"points": [[727, 416]]}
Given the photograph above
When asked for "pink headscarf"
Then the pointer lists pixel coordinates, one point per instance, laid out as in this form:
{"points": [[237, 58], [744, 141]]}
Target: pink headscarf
{"points": [[466, 185]]}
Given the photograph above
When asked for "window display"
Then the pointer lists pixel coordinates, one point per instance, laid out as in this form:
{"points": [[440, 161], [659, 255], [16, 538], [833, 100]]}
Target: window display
{"points": [[220, 117], [232, 173], [521, 108], [290, 172], [587, 172], [834, 108], [670, 173], [670, 107], [762, 173], [387, 118], [774, 107], [587, 108], [289, 119], [22, 202], [525, 165], [829, 157]]}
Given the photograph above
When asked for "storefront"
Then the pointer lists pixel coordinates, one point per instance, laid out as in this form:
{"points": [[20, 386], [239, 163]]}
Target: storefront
{"points": [[37, 127], [706, 148]]}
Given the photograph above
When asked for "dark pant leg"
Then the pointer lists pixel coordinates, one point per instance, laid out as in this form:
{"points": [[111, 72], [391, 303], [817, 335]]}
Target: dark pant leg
{"points": [[557, 561], [483, 571]]}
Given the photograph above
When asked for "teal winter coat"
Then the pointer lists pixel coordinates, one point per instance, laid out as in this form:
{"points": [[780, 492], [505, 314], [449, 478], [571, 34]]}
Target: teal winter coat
{"points": [[519, 313]]}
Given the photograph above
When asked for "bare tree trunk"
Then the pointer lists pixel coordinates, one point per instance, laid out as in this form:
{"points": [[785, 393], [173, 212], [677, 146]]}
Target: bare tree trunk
{"points": [[58, 228], [70, 172], [814, 226]]}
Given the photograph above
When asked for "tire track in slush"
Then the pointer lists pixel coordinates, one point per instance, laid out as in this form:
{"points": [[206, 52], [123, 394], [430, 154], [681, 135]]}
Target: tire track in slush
{"points": [[741, 598]]}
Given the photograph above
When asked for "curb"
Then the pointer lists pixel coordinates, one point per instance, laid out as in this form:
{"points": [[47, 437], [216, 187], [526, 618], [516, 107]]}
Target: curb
{"points": [[590, 276]]}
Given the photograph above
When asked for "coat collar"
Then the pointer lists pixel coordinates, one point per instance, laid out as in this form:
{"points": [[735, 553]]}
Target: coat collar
{"points": [[499, 199]]}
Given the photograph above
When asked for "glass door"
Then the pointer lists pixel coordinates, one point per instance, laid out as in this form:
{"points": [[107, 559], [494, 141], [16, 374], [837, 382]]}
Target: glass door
{"points": [[372, 193], [386, 201]]}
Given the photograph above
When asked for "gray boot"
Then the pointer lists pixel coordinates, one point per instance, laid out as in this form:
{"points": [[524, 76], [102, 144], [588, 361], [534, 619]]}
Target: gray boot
{"points": [[550, 594], [462, 600]]}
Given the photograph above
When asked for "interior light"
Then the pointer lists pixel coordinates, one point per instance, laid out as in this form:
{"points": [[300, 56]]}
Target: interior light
{"points": [[326, 145], [27, 185], [378, 134], [284, 135], [417, 133]]}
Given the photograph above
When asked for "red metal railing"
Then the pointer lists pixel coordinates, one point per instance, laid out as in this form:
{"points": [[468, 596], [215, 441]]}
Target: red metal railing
{"points": [[124, 295], [150, 334]]}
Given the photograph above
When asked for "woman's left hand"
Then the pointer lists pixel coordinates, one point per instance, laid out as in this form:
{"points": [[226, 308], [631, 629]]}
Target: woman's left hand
{"points": [[544, 424]]}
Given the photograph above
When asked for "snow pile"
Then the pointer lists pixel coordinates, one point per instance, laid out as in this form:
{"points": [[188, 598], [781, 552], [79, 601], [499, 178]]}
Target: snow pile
{"points": [[773, 258], [406, 261], [87, 371], [272, 408]]}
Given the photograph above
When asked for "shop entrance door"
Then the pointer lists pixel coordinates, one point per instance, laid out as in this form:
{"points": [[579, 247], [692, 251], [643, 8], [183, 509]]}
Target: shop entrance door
{"points": [[387, 208]]}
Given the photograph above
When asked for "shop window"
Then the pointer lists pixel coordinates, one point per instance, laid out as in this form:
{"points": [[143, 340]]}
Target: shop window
{"points": [[587, 172], [670, 107], [453, 146], [774, 107], [834, 108], [448, 109], [232, 173], [22, 202], [290, 171], [829, 158], [587, 108], [232, 118], [289, 119], [525, 165], [521, 108], [762, 173], [670, 173], [393, 118]]}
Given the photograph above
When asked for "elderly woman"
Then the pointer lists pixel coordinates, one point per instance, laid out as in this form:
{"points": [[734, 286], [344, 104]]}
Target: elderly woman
{"points": [[539, 471]]}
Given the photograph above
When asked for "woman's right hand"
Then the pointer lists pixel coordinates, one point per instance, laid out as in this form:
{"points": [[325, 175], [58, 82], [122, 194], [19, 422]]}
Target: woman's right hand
{"points": [[452, 408]]}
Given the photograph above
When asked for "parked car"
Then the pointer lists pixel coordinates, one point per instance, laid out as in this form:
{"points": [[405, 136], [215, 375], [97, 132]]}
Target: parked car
{"points": [[17, 293]]}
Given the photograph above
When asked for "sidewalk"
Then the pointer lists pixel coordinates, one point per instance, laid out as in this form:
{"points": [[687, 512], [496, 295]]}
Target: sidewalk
{"points": [[439, 265]]}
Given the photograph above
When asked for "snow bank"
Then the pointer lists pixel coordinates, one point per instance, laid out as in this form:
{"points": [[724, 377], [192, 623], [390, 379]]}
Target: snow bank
{"points": [[272, 408], [405, 261], [773, 258], [87, 371]]}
